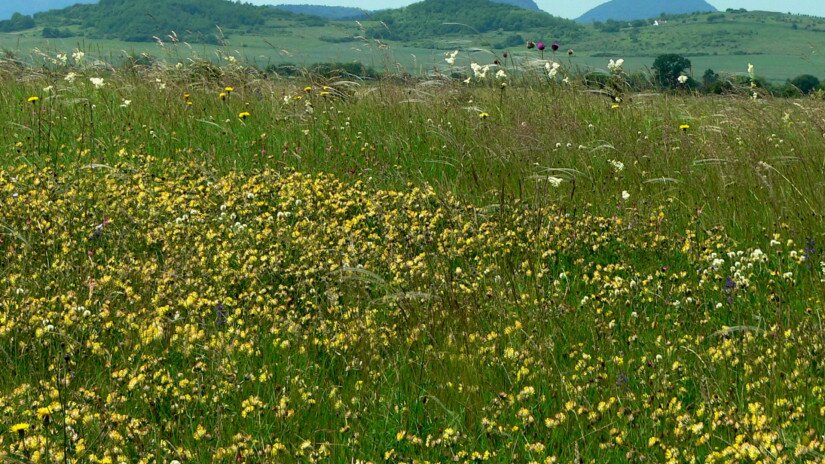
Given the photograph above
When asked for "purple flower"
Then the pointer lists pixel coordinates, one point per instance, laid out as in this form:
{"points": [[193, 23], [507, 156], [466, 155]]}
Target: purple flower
{"points": [[555, 46], [540, 46]]}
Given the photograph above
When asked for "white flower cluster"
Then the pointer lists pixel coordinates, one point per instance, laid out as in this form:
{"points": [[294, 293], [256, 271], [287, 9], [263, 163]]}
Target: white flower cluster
{"points": [[479, 71], [450, 57], [552, 68], [615, 66], [618, 166]]}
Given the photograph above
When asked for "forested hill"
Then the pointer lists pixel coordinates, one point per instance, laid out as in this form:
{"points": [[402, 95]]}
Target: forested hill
{"points": [[437, 18], [338, 13], [141, 20]]}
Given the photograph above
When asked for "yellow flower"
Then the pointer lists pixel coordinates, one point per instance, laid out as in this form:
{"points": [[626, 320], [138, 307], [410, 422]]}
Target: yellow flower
{"points": [[186, 96], [615, 106], [223, 95], [229, 89], [20, 428], [244, 115], [684, 127], [308, 89], [324, 94], [43, 412], [483, 115], [34, 99]]}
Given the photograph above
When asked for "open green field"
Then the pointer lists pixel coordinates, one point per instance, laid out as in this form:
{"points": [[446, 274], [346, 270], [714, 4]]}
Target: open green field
{"points": [[781, 46], [201, 265]]}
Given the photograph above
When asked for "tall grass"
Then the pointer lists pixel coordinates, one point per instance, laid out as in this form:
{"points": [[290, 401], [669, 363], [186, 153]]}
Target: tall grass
{"points": [[359, 272]]}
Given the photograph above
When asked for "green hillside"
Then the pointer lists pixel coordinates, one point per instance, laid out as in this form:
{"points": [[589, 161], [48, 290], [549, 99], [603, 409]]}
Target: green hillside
{"points": [[415, 38], [192, 20], [438, 18]]}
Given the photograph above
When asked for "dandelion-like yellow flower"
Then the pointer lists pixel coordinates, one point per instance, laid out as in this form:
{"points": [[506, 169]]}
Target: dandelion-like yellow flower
{"points": [[615, 106], [324, 94], [33, 99], [244, 114], [20, 428], [186, 96], [308, 89], [223, 95], [684, 127], [229, 89], [483, 115], [43, 412]]}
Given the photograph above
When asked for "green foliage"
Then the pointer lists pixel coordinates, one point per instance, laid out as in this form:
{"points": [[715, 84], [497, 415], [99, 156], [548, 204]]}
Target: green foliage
{"points": [[668, 67], [438, 18], [806, 83], [56, 33], [18, 22]]}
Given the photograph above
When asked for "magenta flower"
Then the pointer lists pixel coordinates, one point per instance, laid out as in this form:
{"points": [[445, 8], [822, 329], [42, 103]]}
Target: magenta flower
{"points": [[555, 47], [540, 46]]}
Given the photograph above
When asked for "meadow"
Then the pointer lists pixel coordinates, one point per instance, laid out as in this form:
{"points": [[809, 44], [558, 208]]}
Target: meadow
{"points": [[201, 263]]}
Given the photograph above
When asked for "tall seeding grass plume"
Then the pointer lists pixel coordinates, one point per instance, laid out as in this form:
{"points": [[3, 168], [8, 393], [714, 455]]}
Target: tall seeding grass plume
{"points": [[507, 260]]}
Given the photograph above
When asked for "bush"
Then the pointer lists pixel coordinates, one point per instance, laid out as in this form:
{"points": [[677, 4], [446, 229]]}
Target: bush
{"points": [[806, 83], [667, 69]]}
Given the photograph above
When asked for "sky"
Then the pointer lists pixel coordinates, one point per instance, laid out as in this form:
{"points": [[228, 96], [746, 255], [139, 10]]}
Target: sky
{"points": [[575, 8]]}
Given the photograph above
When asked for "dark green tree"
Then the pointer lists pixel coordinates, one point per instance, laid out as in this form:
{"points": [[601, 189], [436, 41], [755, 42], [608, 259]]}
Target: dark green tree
{"points": [[18, 22], [667, 69], [806, 83]]}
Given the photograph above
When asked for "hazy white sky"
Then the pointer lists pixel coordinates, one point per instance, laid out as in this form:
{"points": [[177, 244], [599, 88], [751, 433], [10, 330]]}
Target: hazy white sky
{"points": [[574, 8]]}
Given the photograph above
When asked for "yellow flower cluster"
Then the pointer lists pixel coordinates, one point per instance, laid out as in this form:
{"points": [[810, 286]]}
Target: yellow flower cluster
{"points": [[159, 314]]}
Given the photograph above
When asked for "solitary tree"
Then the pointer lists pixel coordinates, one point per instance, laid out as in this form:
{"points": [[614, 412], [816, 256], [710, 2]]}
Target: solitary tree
{"points": [[806, 83], [667, 69]]}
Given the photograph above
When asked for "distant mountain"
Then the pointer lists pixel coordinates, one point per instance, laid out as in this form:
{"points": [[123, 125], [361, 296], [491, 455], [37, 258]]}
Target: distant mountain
{"points": [[335, 13], [630, 10], [28, 7]]}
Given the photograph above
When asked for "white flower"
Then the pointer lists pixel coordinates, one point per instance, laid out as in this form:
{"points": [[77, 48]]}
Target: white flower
{"points": [[501, 74], [625, 195], [48, 89], [615, 66], [231, 59], [618, 166], [750, 69], [467, 81], [480, 71], [758, 255], [62, 58], [126, 103], [70, 77], [555, 181], [682, 79], [97, 82], [450, 57], [78, 56]]}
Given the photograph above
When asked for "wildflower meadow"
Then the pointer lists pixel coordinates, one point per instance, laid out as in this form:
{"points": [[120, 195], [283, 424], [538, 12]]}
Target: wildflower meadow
{"points": [[498, 262]]}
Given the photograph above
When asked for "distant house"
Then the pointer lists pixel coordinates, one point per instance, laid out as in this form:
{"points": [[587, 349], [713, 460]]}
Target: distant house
{"points": [[659, 22]]}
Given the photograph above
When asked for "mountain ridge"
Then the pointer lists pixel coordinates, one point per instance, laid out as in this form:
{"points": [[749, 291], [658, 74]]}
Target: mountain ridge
{"points": [[631, 10]]}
